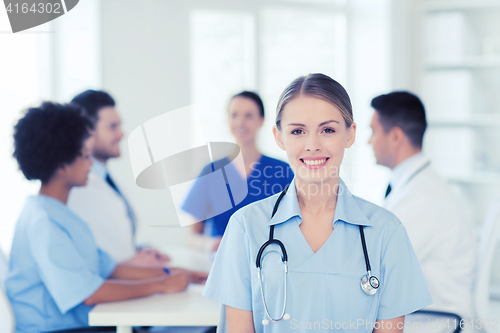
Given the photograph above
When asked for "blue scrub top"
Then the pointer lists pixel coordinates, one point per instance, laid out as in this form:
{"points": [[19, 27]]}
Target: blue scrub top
{"points": [[323, 288], [269, 176], [55, 265]]}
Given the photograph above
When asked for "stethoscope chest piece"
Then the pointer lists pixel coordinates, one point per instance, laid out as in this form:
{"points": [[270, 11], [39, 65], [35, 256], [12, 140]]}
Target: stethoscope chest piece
{"points": [[369, 284]]}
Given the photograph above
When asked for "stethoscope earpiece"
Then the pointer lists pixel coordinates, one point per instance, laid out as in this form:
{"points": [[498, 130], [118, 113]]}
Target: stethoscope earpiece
{"points": [[267, 322]]}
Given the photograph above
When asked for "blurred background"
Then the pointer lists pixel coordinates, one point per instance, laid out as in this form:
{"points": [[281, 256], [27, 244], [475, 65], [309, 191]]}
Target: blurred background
{"points": [[154, 56]]}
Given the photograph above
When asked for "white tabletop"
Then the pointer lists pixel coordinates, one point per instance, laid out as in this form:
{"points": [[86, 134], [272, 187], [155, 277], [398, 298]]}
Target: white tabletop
{"points": [[187, 308]]}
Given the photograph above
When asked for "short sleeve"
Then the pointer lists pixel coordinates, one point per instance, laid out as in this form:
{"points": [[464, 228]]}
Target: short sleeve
{"points": [[106, 264], [64, 272], [197, 203], [229, 281], [403, 287]]}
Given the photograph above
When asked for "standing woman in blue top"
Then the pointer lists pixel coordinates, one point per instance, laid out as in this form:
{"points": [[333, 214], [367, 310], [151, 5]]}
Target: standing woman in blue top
{"points": [[265, 175], [315, 257]]}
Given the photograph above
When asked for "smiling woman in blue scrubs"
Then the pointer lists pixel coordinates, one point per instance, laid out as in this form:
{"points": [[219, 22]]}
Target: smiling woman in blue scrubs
{"points": [[318, 221], [265, 175]]}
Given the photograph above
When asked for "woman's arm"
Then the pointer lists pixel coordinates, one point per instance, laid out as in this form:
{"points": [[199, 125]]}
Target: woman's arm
{"points": [[198, 227], [132, 272], [390, 325], [149, 257], [118, 290], [239, 321]]}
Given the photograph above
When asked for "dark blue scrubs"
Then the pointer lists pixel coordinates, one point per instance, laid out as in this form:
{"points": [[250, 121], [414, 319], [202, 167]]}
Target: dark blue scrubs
{"points": [[269, 176]]}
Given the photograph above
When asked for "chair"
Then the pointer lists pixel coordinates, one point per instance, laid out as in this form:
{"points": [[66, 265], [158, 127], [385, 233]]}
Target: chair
{"points": [[7, 320], [487, 243]]}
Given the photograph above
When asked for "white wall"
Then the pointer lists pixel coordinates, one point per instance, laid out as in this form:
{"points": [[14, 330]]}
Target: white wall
{"points": [[369, 75], [403, 46], [145, 63], [76, 51], [21, 85]]}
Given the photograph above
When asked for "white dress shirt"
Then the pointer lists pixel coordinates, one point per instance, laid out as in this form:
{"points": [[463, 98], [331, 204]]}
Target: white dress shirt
{"points": [[105, 212], [442, 236]]}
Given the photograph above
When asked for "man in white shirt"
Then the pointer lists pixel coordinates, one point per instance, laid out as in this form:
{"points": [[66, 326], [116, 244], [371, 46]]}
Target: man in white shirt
{"points": [[442, 237], [102, 203]]}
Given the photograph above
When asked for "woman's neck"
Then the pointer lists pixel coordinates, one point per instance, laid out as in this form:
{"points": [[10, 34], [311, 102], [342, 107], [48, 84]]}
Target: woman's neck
{"points": [[249, 152], [317, 198], [250, 155], [56, 189]]}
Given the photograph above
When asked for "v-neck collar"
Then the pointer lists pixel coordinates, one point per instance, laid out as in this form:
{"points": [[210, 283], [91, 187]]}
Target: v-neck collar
{"points": [[346, 209], [304, 239]]}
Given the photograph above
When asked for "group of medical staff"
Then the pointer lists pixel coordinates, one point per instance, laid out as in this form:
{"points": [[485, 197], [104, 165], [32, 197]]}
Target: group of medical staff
{"points": [[300, 248]]}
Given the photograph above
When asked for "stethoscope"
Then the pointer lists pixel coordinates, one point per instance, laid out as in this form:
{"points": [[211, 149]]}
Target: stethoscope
{"points": [[369, 282]]}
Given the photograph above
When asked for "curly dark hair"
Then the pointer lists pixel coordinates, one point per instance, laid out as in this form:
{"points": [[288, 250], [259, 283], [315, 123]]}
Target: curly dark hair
{"points": [[49, 137]]}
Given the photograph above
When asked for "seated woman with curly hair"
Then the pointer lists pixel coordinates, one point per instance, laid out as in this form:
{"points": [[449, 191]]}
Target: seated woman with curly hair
{"points": [[56, 272]]}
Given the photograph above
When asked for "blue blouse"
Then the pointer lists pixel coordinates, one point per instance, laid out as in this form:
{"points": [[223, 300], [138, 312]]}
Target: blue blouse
{"points": [[268, 177]]}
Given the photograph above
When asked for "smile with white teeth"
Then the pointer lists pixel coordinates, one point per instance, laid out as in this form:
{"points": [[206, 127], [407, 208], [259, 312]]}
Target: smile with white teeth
{"points": [[314, 162]]}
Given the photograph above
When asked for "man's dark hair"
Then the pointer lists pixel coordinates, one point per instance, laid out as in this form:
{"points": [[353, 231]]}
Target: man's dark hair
{"points": [[254, 97], [404, 110], [49, 137], [92, 101]]}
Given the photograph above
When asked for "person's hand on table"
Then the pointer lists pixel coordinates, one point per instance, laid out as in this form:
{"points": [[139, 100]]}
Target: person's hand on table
{"points": [[197, 277], [149, 257], [193, 276], [174, 282], [149, 251]]}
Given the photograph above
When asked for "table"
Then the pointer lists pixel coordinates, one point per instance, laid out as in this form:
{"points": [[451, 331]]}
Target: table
{"points": [[187, 308]]}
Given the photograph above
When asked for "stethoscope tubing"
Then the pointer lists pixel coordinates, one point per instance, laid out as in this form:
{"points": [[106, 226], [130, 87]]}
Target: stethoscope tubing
{"points": [[369, 288], [264, 300]]}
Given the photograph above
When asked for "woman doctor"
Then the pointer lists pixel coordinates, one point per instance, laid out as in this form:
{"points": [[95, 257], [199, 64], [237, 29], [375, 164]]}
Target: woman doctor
{"points": [[264, 175], [324, 230]]}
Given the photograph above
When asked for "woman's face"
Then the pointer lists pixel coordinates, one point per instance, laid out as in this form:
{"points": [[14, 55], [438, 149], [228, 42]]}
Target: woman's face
{"points": [[76, 173], [314, 136], [244, 119]]}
